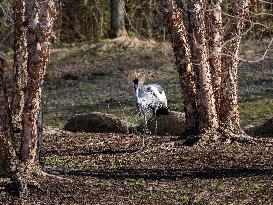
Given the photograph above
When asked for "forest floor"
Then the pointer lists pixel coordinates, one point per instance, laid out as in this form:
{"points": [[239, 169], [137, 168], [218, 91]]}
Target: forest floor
{"points": [[107, 168]]}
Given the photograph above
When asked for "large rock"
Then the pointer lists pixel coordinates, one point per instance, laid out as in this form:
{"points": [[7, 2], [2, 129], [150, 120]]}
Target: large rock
{"points": [[172, 124], [98, 122], [264, 130]]}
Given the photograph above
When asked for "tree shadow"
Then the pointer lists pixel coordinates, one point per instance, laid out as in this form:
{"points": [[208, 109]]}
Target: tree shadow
{"points": [[165, 174], [86, 152], [10, 188]]}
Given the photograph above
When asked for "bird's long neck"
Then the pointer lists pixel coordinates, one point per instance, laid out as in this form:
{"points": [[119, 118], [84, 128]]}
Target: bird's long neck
{"points": [[136, 86]]}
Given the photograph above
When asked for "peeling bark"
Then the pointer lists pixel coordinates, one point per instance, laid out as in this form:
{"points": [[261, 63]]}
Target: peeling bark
{"points": [[229, 103], [183, 60], [216, 32], [205, 98], [208, 71], [40, 18], [20, 61]]}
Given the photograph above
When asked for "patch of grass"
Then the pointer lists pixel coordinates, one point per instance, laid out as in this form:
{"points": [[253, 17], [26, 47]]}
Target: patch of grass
{"points": [[184, 199], [105, 72], [85, 88], [64, 45], [54, 160], [134, 182], [198, 200], [251, 187], [256, 112]]}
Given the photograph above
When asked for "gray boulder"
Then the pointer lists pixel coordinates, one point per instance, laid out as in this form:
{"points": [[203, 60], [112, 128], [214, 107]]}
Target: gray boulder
{"points": [[98, 122], [172, 124]]}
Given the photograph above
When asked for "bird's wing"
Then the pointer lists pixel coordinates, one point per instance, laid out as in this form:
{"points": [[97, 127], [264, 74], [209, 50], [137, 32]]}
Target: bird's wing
{"points": [[158, 92], [158, 87]]}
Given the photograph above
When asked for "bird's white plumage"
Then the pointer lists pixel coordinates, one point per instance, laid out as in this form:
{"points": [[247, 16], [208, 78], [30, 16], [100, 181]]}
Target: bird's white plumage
{"points": [[161, 96], [149, 98]]}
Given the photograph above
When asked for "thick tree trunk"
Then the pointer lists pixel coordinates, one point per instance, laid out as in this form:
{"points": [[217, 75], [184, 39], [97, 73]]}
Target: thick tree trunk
{"points": [[40, 18], [20, 56], [205, 98], [229, 103], [183, 60], [117, 19], [208, 70], [7, 150]]}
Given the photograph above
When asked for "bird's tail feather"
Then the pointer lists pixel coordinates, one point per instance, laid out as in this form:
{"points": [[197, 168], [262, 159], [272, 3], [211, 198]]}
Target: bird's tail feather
{"points": [[162, 111]]}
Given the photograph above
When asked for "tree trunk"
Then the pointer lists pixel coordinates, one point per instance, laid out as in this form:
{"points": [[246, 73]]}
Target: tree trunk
{"points": [[229, 113], [215, 42], [7, 150], [209, 82], [183, 60], [40, 20], [117, 19], [205, 97], [20, 56]]}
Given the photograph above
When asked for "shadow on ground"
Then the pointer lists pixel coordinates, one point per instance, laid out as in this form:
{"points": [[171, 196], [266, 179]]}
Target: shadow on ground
{"points": [[169, 174]]}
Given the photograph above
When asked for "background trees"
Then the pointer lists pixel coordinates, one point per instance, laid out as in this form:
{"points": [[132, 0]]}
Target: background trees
{"points": [[117, 19]]}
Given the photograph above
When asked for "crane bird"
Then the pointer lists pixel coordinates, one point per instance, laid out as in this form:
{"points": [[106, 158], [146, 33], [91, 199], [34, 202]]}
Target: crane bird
{"points": [[150, 98]]}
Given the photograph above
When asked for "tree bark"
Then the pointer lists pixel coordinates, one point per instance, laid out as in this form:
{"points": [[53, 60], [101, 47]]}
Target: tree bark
{"points": [[215, 43], [183, 60], [40, 18], [20, 56], [7, 150], [230, 118], [117, 19], [208, 118]]}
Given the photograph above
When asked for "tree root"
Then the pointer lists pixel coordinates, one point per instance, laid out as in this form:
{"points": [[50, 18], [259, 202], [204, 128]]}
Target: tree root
{"points": [[23, 179], [210, 137]]}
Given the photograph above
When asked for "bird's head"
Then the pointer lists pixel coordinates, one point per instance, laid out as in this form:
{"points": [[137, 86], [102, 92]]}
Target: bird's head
{"points": [[135, 81]]}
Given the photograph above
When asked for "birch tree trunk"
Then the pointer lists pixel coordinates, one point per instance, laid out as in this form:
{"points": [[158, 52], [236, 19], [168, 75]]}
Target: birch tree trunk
{"points": [[207, 60], [229, 103], [40, 18], [183, 60], [20, 61], [215, 43], [205, 97], [117, 18]]}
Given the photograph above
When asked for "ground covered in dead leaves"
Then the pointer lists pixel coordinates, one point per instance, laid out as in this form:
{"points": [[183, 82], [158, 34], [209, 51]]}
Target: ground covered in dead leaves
{"points": [[111, 169]]}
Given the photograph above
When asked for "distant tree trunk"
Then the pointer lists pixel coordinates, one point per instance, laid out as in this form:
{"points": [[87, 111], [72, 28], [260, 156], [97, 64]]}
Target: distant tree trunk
{"points": [[117, 19], [40, 18], [20, 61], [209, 82]]}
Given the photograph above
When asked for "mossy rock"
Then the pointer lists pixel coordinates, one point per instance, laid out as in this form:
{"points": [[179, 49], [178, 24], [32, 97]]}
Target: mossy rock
{"points": [[172, 124], [98, 122]]}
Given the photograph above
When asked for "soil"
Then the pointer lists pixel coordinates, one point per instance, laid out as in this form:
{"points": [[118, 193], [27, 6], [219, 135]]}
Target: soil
{"points": [[108, 168]]}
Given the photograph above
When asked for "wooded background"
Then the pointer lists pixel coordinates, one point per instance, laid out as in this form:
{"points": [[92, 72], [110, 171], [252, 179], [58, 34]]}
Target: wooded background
{"points": [[89, 20]]}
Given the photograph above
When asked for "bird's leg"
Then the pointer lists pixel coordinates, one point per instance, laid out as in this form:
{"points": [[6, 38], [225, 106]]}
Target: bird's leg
{"points": [[155, 135], [145, 131]]}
